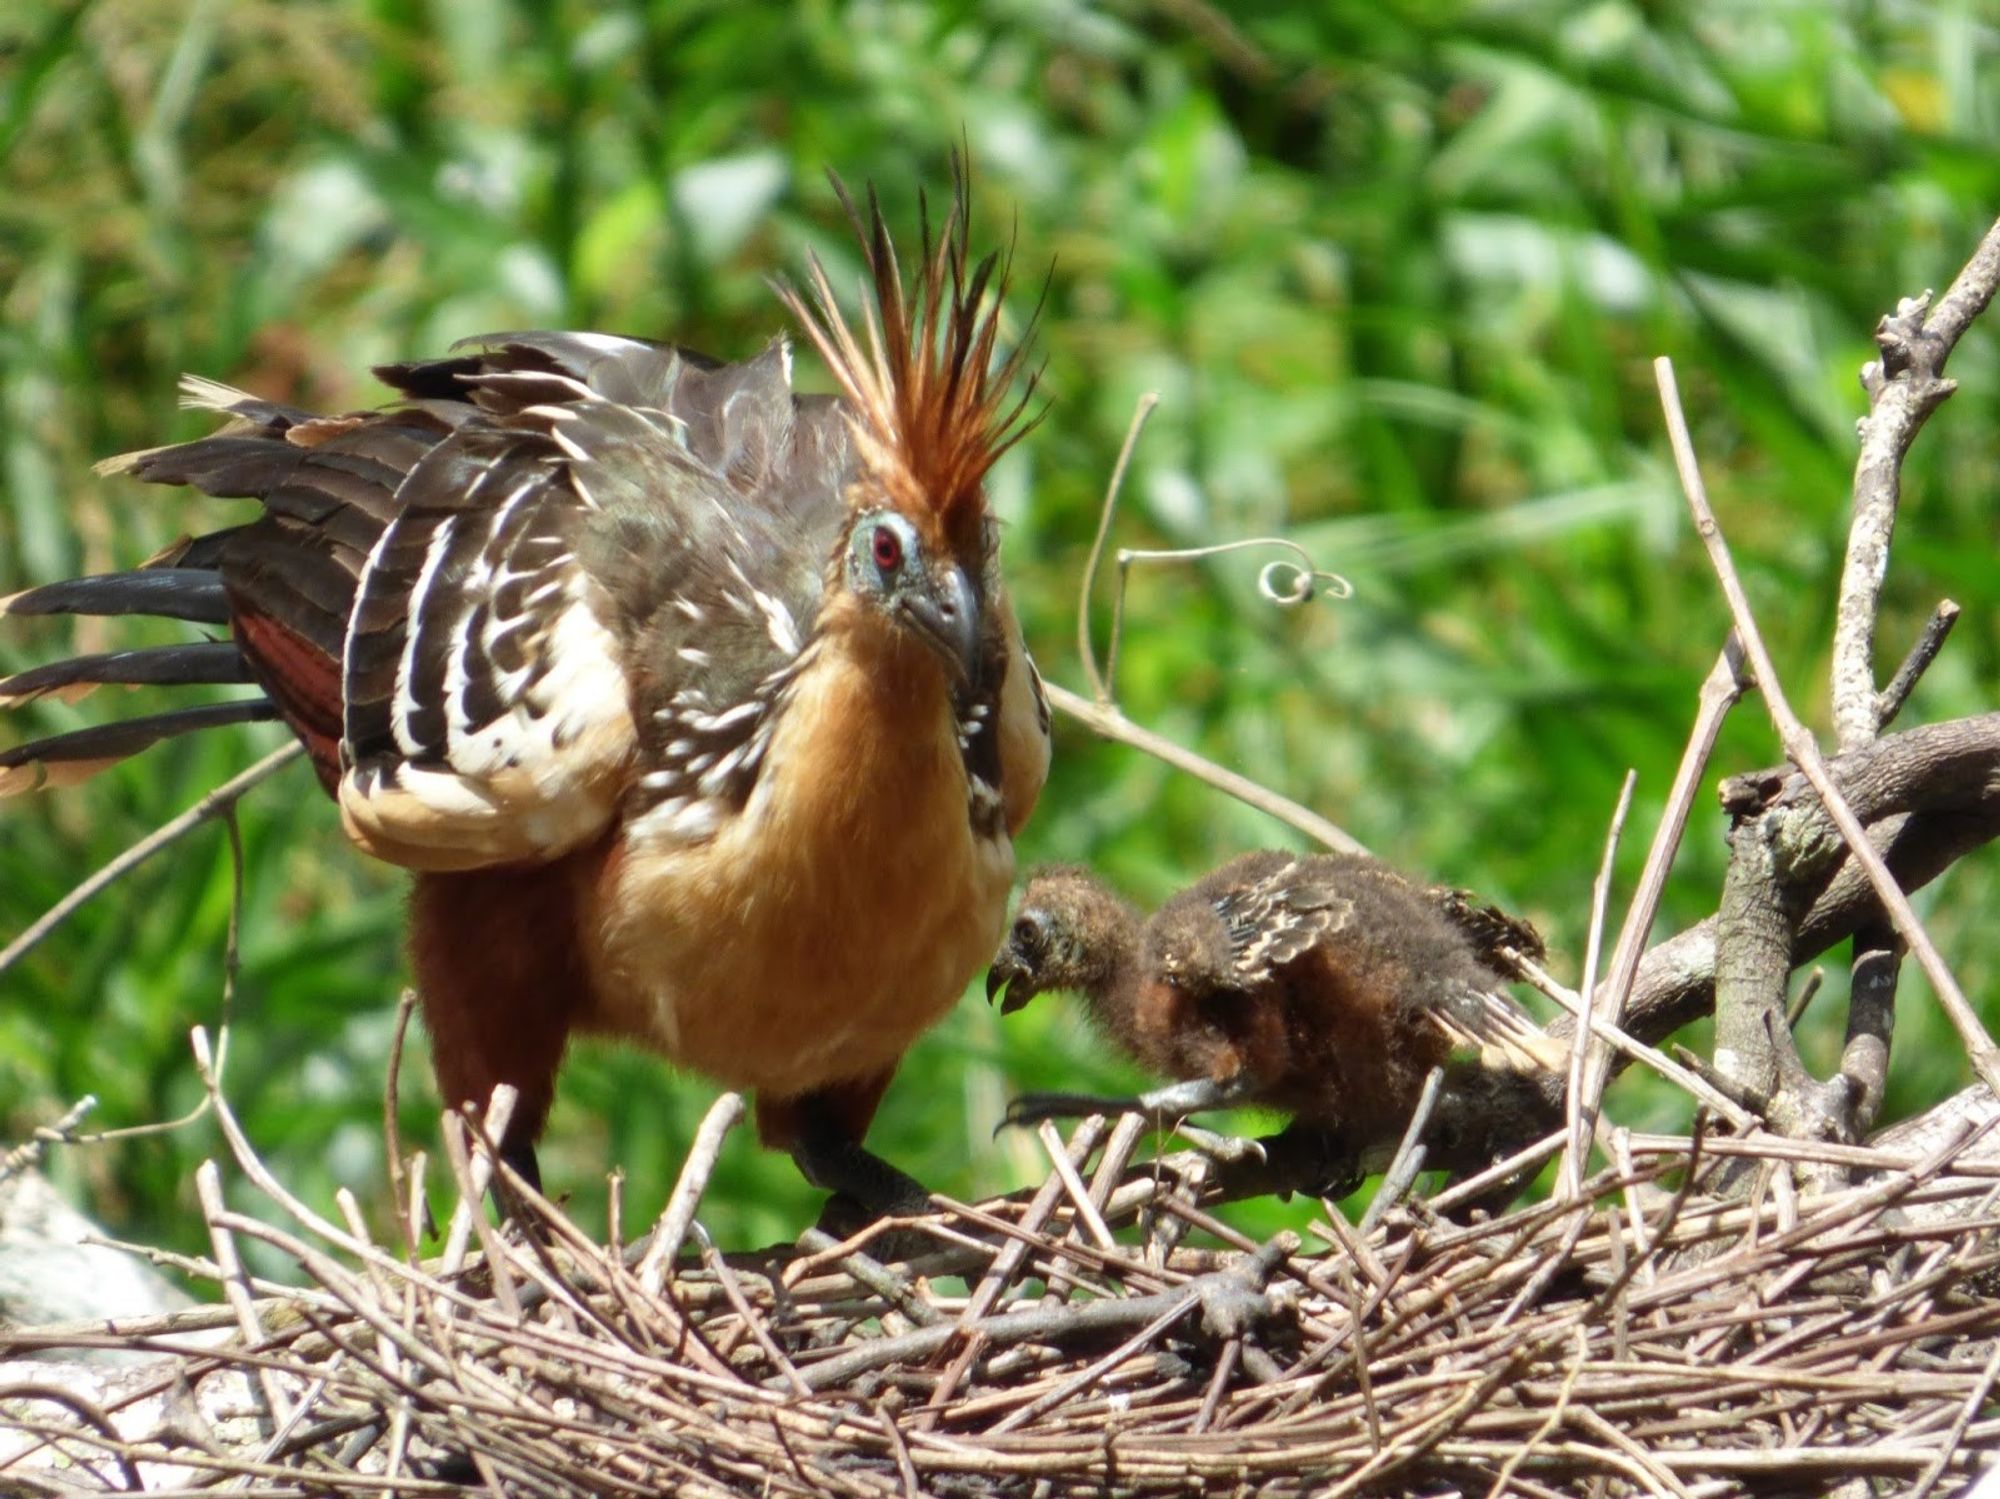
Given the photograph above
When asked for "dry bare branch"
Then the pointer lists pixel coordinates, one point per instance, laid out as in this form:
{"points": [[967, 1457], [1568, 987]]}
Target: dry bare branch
{"points": [[1799, 746]]}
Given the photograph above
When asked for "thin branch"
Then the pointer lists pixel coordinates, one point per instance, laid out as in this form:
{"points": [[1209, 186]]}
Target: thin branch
{"points": [[218, 801], [1799, 746], [1928, 644], [1719, 692], [678, 1215], [1087, 651], [1630, 1047], [1802, 1001], [1408, 1161], [1105, 719], [1579, 1117], [62, 1132], [392, 1119]]}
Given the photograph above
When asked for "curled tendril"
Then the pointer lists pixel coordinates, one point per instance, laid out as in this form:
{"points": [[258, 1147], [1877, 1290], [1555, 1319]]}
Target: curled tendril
{"points": [[1285, 581], [1288, 584]]}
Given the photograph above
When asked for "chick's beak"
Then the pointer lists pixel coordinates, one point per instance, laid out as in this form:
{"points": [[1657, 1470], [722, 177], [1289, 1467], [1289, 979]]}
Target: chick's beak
{"points": [[946, 614], [1010, 974]]}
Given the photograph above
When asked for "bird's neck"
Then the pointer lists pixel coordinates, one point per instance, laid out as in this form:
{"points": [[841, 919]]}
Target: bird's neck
{"points": [[1111, 980]]}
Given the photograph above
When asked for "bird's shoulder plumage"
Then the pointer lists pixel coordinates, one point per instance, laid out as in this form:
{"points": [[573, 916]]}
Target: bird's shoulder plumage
{"points": [[1350, 925], [479, 606], [1274, 907]]}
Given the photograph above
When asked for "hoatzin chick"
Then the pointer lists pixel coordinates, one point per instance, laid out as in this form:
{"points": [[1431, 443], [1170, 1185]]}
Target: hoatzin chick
{"points": [[697, 705], [1326, 987]]}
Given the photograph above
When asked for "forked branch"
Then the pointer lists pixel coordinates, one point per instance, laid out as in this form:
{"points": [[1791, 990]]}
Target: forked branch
{"points": [[1804, 752], [1904, 387]]}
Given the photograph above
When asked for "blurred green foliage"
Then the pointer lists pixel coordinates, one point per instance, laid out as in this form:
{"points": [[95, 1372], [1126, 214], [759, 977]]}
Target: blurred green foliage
{"points": [[1396, 269]]}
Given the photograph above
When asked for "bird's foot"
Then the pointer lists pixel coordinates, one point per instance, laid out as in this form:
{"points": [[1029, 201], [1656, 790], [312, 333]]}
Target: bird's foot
{"points": [[866, 1189], [1314, 1160], [1165, 1107], [1224, 1150]]}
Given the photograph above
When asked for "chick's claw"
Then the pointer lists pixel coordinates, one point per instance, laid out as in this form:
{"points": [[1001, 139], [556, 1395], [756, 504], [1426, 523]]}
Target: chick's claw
{"points": [[1030, 1109]]}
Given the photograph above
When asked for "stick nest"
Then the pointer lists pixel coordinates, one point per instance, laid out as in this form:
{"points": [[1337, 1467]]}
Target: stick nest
{"points": [[1712, 1316]]}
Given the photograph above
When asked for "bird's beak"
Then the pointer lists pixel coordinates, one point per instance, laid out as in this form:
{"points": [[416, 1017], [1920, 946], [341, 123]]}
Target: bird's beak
{"points": [[946, 614], [1009, 975]]}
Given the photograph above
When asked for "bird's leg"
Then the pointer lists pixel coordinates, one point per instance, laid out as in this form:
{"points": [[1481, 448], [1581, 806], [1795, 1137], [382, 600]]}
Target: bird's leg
{"points": [[1165, 1107], [499, 992], [847, 1168], [823, 1131], [518, 1151]]}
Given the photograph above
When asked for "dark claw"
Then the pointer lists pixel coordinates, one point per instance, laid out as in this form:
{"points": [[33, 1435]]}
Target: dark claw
{"points": [[1032, 1108]]}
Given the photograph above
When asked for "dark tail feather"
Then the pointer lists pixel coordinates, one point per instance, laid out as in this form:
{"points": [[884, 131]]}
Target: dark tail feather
{"points": [[64, 759], [160, 666], [191, 593]]}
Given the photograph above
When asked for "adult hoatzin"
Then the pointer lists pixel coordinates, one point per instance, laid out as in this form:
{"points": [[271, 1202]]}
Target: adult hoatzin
{"points": [[697, 705], [1326, 987]]}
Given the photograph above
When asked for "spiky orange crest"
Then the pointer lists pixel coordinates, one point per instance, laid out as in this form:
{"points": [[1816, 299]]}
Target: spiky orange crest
{"points": [[931, 409]]}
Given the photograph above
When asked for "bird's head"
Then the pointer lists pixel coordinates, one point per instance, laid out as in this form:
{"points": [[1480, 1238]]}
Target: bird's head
{"points": [[936, 599], [1069, 932], [929, 409]]}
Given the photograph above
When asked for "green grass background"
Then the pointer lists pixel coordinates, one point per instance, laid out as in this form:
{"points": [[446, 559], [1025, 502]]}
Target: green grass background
{"points": [[1396, 268]]}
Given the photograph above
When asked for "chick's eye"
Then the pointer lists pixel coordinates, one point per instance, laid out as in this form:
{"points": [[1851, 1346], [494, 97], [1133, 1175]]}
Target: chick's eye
{"points": [[1027, 933], [886, 547]]}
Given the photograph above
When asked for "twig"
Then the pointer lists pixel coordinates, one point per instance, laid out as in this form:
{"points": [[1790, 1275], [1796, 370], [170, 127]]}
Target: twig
{"points": [[675, 1218], [275, 1409], [1579, 1115], [1409, 1157], [1090, 1374], [1630, 1046], [1719, 692], [1802, 1001], [1086, 651], [872, 1273], [26, 1154], [1890, 702], [1799, 746], [1079, 1195], [472, 1171], [218, 801], [392, 1120], [1469, 1189], [1107, 720], [91, 1415], [231, 967], [479, 1174]]}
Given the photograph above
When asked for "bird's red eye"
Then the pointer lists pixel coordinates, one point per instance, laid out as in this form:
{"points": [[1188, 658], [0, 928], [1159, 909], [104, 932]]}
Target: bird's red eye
{"points": [[887, 549]]}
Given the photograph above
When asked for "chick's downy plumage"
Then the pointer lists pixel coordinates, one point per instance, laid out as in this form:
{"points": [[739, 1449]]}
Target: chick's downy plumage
{"points": [[1325, 986]]}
